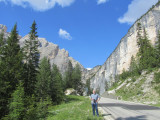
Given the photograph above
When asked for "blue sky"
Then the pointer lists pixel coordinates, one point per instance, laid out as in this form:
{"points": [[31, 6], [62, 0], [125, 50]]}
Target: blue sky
{"points": [[89, 30]]}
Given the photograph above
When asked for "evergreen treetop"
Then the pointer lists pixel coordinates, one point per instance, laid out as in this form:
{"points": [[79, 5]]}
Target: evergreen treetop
{"points": [[11, 68], [31, 59]]}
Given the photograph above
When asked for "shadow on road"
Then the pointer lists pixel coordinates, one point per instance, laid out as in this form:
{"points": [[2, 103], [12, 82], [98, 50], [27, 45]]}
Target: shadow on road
{"points": [[106, 115], [143, 117], [127, 106]]}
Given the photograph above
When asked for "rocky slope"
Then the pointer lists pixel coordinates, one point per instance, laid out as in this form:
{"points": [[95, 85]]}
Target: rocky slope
{"points": [[142, 89], [58, 56], [121, 56]]}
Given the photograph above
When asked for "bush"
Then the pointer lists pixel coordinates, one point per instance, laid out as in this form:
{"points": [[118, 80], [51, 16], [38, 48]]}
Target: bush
{"points": [[37, 110], [42, 108], [16, 106], [157, 81], [30, 113], [124, 75], [133, 79], [157, 77]]}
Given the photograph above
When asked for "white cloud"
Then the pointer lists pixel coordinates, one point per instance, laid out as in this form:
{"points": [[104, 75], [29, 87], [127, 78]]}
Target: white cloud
{"points": [[136, 9], [88, 68], [64, 34], [41, 5], [101, 1]]}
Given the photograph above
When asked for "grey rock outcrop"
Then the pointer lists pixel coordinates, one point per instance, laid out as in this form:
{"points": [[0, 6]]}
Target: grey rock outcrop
{"points": [[121, 56], [3, 28], [88, 74], [57, 56]]}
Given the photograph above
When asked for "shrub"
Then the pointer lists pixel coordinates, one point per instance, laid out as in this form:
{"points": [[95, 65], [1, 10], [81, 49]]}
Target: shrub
{"points": [[16, 106], [133, 79], [157, 77], [37, 110]]}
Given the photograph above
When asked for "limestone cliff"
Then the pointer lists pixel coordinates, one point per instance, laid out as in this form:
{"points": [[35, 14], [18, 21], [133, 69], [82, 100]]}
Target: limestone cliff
{"points": [[121, 56]]}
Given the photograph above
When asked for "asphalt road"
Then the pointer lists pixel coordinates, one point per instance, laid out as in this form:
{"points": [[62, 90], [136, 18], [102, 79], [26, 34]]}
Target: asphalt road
{"points": [[122, 110]]}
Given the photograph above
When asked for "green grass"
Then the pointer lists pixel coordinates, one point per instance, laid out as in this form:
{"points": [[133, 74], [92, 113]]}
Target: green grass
{"points": [[115, 85], [156, 105], [75, 108]]}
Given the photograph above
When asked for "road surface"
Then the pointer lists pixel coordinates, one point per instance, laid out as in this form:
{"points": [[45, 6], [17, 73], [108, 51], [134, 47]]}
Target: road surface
{"points": [[122, 110]]}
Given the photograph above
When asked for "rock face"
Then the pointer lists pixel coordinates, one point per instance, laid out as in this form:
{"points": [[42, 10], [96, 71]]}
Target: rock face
{"points": [[70, 92], [87, 74], [58, 56], [121, 56], [3, 28]]}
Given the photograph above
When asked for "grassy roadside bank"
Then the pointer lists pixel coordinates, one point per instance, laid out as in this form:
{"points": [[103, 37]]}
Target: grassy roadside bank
{"points": [[75, 108], [140, 89]]}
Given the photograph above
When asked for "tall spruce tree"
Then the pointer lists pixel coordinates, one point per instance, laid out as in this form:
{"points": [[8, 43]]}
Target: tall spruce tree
{"points": [[133, 69], [76, 76], [3, 83], [149, 58], [11, 69], [146, 51], [157, 50], [43, 79], [68, 76], [56, 90], [88, 84], [31, 60], [139, 32]]}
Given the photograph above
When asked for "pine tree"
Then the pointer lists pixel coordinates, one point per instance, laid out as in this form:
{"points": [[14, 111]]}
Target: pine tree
{"points": [[149, 58], [106, 85], [88, 84], [31, 60], [16, 107], [133, 69], [11, 69], [12, 58], [56, 90], [42, 108], [157, 50], [31, 110], [3, 83], [68, 76], [76, 76], [139, 33], [146, 51], [43, 78]]}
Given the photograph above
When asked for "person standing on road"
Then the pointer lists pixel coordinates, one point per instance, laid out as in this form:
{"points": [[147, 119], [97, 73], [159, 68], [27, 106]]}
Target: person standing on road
{"points": [[94, 102]]}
